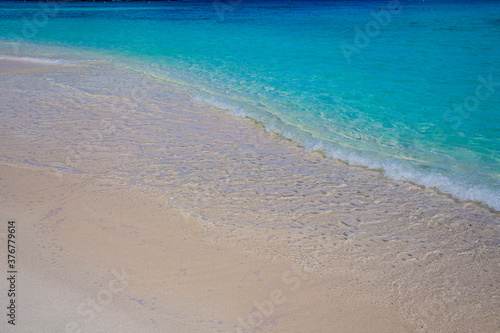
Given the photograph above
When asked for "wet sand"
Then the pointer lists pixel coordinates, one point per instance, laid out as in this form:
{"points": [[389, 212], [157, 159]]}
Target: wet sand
{"points": [[15, 65], [220, 226]]}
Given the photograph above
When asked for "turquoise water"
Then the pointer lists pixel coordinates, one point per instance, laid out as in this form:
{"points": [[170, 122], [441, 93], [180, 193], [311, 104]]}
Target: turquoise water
{"points": [[414, 92]]}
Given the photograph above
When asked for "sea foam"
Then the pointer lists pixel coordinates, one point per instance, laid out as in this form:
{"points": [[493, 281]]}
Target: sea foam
{"points": [[44, 61], [390, 167]]}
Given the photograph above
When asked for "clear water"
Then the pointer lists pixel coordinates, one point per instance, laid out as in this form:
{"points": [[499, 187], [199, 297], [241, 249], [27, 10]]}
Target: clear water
{"points": [[413, 92]]}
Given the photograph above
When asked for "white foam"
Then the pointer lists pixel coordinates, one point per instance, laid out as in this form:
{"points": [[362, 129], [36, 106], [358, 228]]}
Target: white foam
{"points": [[44, 61], [401, 170], [237, 111], [391, 167]]}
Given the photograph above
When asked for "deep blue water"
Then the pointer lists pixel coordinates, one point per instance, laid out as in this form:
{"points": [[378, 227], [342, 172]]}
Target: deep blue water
{"points": [[414, 92]]}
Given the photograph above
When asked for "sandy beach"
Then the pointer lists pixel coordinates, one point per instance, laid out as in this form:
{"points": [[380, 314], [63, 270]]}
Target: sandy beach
{"points": [[100, 259], [173, 222], [94, 257]]}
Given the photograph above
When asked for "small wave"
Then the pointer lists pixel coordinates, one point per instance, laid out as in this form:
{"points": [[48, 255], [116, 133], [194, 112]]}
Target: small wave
{"points": [[391, 167], [400, 170], [234, 110], [271, 122], [44, 61]]}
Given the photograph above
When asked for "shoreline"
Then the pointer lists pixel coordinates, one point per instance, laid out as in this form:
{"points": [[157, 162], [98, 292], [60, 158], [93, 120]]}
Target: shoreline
{"points": [[441, 184], [7, 66], [246, 191]]}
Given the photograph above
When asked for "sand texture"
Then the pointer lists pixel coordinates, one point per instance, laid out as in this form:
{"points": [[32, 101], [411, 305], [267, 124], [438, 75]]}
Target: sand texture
{"points": [[139, 209]]}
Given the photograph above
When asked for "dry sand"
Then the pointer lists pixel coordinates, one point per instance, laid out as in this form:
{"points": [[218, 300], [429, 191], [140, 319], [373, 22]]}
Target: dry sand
{"points": [[76, 239]]}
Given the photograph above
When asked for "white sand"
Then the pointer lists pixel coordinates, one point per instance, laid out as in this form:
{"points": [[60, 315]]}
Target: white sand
{"points": [[217, 225], [74, 233]]}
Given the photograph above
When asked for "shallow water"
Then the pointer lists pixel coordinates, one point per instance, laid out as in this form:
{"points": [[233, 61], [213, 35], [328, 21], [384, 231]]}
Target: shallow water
{"points": [[128, 100], [412, 92], [256, 190]]}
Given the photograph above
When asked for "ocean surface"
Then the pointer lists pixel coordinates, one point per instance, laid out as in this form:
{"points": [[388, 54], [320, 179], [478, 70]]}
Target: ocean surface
{"points": [[411, 88]]}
